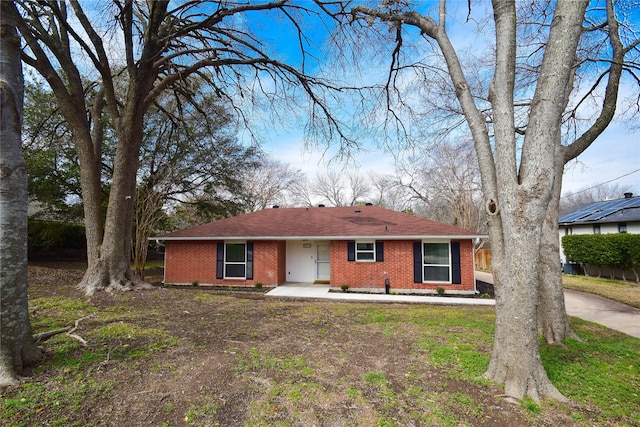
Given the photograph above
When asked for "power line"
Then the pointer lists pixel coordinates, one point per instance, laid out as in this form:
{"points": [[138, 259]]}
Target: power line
{"points": [[602, 183]]}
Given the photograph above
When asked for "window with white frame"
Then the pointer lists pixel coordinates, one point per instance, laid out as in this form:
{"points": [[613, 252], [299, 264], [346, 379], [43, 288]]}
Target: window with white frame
{"points": [[436, 262], [235, 260], [365, 251]]}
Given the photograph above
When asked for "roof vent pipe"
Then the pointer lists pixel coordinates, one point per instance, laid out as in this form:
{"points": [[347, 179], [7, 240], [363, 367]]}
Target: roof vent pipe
{"points": [[628, 195]]}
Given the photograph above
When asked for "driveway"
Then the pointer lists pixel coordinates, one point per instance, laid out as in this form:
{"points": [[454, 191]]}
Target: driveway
{"points": [[611, 314], [594, 308]]}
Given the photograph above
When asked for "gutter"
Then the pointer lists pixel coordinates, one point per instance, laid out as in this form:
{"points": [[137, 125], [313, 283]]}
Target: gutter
{"points": [[205, 238]]}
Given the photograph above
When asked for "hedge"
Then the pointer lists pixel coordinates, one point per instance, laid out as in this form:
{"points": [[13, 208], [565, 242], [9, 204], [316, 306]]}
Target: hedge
{"points": [[620, 251], [50, 236]]}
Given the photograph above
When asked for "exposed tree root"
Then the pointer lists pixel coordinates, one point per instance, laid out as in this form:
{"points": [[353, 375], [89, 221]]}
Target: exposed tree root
{"points": [[100, 279], [43, 336], [537, 386], [553, 339], [69, 330], [127, 285]]}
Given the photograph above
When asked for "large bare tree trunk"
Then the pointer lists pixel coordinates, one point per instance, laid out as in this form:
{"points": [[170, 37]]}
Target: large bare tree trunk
{"points": [[515, 360], [17, 349], [552, 314], [108, 246], [524, 201], [112, 269]]}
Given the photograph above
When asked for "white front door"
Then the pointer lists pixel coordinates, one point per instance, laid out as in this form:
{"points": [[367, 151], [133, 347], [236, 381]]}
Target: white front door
{"points": [[301, 266], [323, 267]]}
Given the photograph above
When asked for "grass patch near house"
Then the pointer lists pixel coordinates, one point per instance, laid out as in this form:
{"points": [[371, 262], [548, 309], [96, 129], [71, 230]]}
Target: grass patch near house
{"points": [[192, 357], [601, 370], [153, 264], [617, 290]]}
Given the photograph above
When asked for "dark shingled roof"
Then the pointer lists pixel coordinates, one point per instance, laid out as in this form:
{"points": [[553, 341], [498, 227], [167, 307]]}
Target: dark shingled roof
{"points": [[321, 223]]}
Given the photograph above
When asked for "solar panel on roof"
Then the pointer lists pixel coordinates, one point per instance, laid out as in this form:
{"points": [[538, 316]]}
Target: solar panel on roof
{"points": [[599, 210], [574, 216], [623, 204], [599, 215], [582, 212]]}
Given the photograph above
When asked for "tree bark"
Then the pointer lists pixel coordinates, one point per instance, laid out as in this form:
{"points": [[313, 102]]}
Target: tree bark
{"points": [[112, 269], [552, 318], [525, 201], [17, 348], [515, 359], [552, 314], [518, 186]]}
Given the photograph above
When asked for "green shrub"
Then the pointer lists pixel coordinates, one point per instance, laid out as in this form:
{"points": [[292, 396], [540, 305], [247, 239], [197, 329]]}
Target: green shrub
{"points": [[614, 250]]}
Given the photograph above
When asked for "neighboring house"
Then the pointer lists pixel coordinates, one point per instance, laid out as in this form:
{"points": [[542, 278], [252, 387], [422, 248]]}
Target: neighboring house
{"points": [[359, 247], [609, 216]]}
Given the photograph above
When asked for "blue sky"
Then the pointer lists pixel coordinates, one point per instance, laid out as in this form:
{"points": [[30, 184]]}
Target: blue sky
{"points": [[614, 157], [614, 154]]}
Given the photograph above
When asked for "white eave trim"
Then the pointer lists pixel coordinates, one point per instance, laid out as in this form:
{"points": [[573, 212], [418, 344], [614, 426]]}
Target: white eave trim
{"points": [[381, 237]]}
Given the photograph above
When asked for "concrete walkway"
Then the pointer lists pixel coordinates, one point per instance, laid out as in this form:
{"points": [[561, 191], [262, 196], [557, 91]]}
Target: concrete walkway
{"points": [[593, 308], [308, 290]]}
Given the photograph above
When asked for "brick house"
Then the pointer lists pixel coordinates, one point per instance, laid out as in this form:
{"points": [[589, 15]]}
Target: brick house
{"points": [[359, 247]]}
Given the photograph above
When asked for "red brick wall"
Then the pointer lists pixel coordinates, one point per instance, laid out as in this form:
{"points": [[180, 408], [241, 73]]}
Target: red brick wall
{"points": [[467, 265], [398, 266], [195, 261], [268, 263], [190, 261]]}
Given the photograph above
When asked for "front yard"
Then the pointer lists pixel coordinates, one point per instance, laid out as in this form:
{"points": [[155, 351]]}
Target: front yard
{"points": [[178, 357]]}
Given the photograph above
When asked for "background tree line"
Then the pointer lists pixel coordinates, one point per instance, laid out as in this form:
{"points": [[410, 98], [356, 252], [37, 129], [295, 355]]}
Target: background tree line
{"points": [[193, 170]]}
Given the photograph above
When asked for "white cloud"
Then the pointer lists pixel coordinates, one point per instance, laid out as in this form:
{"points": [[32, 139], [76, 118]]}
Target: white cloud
{"points": [[290, 148]]}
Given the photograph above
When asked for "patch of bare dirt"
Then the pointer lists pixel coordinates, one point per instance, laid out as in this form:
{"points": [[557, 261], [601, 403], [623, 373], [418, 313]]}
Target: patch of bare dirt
{"points": [[244, 359]]}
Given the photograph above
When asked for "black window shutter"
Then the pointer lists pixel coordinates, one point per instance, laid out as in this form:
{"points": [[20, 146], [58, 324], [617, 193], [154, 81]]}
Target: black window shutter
{"points": [[456, 278], [379, 251], [220, 261], [249, 273], [417, 262], [351, 251]]}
